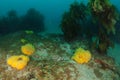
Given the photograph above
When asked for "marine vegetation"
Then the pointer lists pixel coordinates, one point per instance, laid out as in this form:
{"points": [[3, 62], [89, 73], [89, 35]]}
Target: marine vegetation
{"points": [[100, 17], [81, 56], [70, 23], [9, 23], [29, 31], [12, 22], [105, 13], [102, 42], [106, 17], [18, 62], [32, 20]]}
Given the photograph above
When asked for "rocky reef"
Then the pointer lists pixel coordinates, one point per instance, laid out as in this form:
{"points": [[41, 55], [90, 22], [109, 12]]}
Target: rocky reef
{"points": [[52, 60]]}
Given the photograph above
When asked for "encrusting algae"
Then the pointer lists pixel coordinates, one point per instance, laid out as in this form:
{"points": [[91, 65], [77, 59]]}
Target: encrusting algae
{"points": [[18, 62], [81, 56], [23, 40], [29, 32]]}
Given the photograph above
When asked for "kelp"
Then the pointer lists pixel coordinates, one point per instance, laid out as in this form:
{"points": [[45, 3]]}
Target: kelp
{"points": [[102, 42], [70, 23], [102, 12], [12, 22], [69, 27], [106, 17], [105, 13]]}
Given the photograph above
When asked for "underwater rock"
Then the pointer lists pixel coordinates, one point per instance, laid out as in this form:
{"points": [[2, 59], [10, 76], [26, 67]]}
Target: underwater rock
{"points": [[61, 67]]}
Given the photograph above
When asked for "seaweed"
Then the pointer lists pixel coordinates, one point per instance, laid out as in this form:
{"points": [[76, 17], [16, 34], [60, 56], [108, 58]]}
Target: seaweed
{"points": [[106, 16], [105, 13], [33, 20], [102, 42], [9, 23], [12, 22], [70, 27], [70, 23]]}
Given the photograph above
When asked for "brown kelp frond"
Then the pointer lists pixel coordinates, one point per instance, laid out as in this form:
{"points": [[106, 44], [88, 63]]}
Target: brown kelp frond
{"points": [[70, 23], [105, 12], [69, 26], [102, 42], [78, 10]]}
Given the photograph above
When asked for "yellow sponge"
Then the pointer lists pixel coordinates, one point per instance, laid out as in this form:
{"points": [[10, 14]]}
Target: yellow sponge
{"points": [[81, 56], [28, 49], [18, 62]]}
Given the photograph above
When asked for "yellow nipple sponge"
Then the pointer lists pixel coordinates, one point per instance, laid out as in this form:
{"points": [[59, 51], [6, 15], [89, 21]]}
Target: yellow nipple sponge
{"points": [[81, 56], [28, 49], [18, 62]]}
